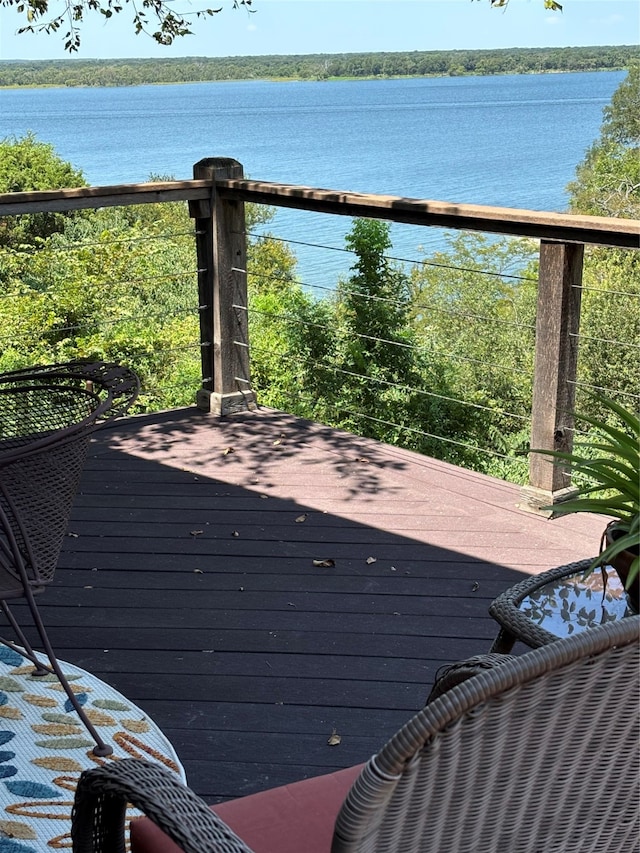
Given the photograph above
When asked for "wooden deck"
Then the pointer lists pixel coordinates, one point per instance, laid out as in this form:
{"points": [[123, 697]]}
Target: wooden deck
{"points": [[189, 581]]}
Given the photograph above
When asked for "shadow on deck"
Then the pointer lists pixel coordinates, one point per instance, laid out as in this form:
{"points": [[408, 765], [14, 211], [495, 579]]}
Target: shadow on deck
{"points": [[189, 581]]}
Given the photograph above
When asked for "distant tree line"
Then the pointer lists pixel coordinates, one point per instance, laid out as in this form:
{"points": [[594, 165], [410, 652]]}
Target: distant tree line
{"points": [[135, 72]]}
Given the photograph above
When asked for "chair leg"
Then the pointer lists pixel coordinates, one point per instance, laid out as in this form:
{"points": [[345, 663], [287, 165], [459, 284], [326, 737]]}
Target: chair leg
{"points": [[503, 643], [101, 748], [26, 651]]}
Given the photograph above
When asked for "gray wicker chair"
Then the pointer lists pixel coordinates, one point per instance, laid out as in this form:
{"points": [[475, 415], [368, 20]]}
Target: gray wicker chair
{"points": [[537, 755], [47, 416]]}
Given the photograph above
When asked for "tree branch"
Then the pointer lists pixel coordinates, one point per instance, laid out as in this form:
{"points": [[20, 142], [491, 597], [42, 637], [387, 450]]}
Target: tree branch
{"points": [[154, 18]]}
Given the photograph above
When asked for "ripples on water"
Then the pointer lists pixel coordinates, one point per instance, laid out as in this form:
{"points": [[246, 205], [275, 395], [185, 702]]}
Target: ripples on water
{"points": [[511, 141]]}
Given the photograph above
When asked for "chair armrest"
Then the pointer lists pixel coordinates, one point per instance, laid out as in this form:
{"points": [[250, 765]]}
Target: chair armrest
{"points": [[98, 817], [514, 624]]}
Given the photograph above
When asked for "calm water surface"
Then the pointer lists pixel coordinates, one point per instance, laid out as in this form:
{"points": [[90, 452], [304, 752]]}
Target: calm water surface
{"points": [[511, 141]]}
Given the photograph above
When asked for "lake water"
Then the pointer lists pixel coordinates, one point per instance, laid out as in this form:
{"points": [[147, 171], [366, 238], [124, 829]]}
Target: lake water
{"points": [[511, 141]]}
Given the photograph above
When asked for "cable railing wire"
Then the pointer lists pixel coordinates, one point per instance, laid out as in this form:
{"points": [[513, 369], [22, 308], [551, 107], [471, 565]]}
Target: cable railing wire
{"points": [[603, 390], [462, 315], [608, 341], [585, 288], [413, 261], [413, 389], [103, 323], [403, 387], [400, 303], [401, 344], [105, 243], [187, 274]]}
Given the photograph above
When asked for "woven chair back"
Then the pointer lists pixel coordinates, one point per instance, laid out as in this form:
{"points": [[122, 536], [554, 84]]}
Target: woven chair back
{"points": [[47, 415], [36, 496], [539, 755]]}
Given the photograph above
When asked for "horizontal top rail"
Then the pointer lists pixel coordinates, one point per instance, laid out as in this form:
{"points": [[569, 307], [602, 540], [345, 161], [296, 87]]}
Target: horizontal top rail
{"points": [[597, 230], [600, 230], [83, 198]]}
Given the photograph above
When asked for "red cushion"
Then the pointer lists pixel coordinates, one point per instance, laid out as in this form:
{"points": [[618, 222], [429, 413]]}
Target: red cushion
{"points": [[291, 819]]}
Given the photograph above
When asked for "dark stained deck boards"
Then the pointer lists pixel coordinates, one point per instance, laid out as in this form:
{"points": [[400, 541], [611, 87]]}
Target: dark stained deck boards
{"points": [[187, 583]]}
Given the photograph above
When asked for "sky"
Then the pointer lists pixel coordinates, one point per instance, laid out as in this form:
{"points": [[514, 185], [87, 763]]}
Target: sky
{"points": [[342, 26]]}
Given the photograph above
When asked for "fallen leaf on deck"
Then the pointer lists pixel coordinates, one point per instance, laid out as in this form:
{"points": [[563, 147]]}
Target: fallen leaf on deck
{"points": [[73, 535], [302, 517], [198, 572], [197, 532], [371, 560], [235, 533], [334, 739], [325, 564]]}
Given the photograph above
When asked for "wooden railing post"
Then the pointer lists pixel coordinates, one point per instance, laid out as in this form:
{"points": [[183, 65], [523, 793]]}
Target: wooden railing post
{"points": [[222, 287], [556, 360]]}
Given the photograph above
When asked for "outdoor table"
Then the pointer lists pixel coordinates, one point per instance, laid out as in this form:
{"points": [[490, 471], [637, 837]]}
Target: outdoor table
{"points": [[556, 604]]}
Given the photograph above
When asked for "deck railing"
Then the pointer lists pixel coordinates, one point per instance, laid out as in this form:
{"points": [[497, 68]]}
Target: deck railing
{"points": [[216, 198]]}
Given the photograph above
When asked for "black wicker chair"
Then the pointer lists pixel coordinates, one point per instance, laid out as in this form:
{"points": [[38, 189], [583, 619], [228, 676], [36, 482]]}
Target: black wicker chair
{"points": [[47, 416], [536, 754]]}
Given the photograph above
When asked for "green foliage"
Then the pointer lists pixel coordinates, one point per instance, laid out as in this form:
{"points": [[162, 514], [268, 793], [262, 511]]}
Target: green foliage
{"points": [[379, 371], [608, 183], [119, 284], [372, 342], [610, 322], [474, 308], [374, 302], [27, 164], [608, 179], [103, 288], [349, 360], [115, 283], [622, 116], [288, 329], [610, 462]]}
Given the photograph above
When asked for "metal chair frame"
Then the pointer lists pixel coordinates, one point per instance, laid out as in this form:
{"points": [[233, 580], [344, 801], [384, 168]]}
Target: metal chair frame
{"points": [[40, 467]]}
